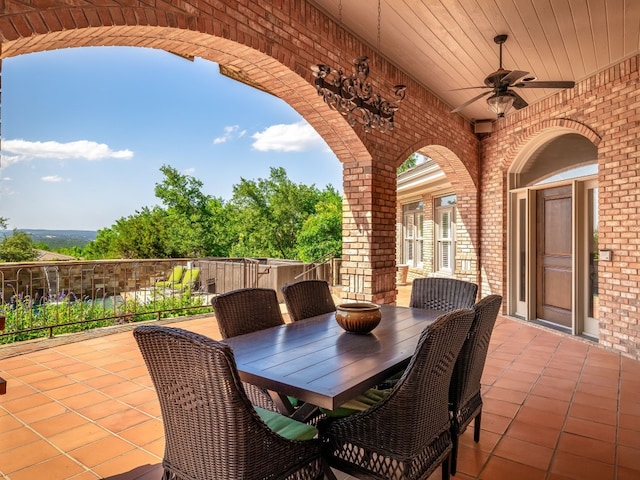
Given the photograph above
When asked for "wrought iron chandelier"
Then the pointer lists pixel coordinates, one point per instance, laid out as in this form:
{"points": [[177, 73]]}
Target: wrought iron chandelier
{"points": [[353, 95], [354, 98]]}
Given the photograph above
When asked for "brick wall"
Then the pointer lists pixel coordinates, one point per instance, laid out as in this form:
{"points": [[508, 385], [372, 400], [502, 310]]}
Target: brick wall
{"points": [[605, 108]]}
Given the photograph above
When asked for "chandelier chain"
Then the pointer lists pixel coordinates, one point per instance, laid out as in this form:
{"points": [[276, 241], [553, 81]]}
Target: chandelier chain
{"points": [[379, 16]]}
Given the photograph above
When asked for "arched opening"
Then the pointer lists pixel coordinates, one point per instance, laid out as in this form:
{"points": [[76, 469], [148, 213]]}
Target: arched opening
{"points": [[436, 219], [265, 55], [553, 232], [98, 122]]}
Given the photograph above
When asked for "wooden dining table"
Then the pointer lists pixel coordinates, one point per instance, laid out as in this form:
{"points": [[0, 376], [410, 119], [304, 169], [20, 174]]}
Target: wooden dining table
{"points": [[319, 363]]}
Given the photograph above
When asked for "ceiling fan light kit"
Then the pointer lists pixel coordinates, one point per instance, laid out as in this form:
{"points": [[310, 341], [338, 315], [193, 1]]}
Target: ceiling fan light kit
{"points": [[501, 82], [500, 103]]}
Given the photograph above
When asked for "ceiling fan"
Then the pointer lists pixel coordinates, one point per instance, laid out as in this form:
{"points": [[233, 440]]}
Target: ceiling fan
{"points": [[501, 82]]}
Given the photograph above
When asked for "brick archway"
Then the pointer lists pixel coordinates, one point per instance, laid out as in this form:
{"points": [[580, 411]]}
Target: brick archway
{"points": [[531, 138], [467, 195], [273, 46], [467, 203]]}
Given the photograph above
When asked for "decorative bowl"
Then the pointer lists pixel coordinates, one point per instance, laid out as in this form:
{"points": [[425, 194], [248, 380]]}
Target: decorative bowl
{"points": [[358, 317]]}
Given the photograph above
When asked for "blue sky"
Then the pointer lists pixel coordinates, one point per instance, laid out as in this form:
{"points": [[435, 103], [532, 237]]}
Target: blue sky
{"points": [[86, 130]]}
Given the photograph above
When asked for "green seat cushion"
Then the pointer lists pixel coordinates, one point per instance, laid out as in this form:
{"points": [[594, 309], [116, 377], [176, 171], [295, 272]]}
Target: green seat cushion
{"points": [[358, 404], [174, 277], [188, 280], [286, 427]]}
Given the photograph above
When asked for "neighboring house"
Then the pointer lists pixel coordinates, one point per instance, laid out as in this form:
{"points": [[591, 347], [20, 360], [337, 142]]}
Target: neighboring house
{"points": [[431, 239], [44, 256]]}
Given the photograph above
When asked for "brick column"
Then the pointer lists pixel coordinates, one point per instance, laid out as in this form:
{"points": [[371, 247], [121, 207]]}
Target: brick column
{"points": [[368, 232]]}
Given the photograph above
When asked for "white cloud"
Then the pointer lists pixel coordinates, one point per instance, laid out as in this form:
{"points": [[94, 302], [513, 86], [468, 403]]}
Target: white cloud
{"points": [[52, 178], [189, 171], [21, 150], [295, 137], [230, 132], [7, 160]]}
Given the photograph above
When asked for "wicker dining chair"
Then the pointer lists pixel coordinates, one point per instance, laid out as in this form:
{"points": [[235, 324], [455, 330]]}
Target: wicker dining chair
{"points": [[308, 298], [211, 429], [407, 435], [444, 294], [248, 310], [465, 401]]}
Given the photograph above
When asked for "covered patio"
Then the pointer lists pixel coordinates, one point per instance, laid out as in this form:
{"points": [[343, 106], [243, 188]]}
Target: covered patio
{"points": [[545, 190], [555, 407]]}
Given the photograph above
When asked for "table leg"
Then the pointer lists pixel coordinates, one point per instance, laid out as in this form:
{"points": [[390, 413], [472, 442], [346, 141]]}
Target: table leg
{"points": [[282, 403], [302, 413], [305, 412]]}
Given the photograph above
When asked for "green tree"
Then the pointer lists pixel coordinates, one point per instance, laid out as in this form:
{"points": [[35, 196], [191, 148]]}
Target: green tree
{"points": [[268, 215], [74, 251], [321, 234], [195, 221], [190, 224], [17, 248], [408, 164], [142, 235], [265, 218], [103, 246]]}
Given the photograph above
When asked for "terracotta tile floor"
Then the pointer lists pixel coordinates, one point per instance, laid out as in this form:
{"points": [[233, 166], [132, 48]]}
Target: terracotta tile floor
{"points": [[555, 408]]}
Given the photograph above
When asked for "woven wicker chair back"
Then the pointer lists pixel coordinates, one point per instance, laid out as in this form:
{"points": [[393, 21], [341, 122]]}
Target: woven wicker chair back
{"points": [[407, 434], [443, 294], [308, 298], [246, 310], [465, 400], [211, 429], [465, 383]]}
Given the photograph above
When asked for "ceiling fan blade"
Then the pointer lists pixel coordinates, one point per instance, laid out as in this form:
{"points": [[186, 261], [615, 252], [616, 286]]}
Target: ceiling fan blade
{"points": [[518, 101], [512, 77], [469, 88], [469, 102], [547, 84]]}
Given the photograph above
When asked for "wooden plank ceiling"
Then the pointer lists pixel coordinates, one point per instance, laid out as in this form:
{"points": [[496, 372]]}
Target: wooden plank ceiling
{"points": [[448, 44]]}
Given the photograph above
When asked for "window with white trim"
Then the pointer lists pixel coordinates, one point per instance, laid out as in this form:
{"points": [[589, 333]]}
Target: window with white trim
{"points": [[413, 229], [445, 216]]}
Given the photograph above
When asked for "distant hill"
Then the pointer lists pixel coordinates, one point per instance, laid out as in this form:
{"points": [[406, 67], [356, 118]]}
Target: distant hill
{"points": [[57, 238]]}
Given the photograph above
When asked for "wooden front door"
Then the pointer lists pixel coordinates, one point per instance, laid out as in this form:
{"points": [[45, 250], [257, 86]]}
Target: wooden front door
{"points": [[554, 255]]}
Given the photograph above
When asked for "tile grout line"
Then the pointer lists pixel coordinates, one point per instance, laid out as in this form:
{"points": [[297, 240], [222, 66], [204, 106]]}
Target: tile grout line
{"points": [[87, 419], [566, 415], [527, 395]]}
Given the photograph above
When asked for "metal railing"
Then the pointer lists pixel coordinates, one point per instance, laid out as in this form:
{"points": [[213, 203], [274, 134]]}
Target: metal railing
{"points": [[53, 298], [327, 260]]}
